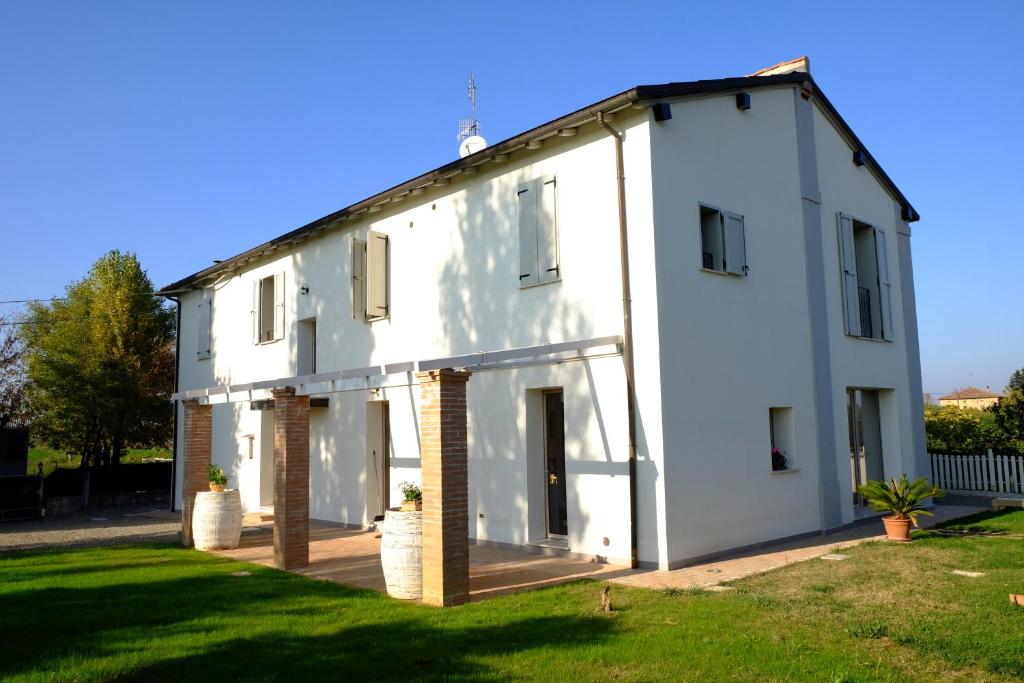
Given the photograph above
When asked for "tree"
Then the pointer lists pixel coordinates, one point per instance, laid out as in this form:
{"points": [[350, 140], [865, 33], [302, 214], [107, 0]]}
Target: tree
{"points": [[100, 363], [949, 429], [12, 376], [1016, 382]]}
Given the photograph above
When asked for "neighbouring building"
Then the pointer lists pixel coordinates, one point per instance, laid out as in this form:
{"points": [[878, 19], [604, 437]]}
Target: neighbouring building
{"points": [[971, 397], [764, 259]]}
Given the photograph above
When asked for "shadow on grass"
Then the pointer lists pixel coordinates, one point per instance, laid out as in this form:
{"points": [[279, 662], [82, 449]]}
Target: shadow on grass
{"points": [[191, 620]]}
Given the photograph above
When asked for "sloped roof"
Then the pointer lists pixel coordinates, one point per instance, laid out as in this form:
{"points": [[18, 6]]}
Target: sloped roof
{"points": [[970, 392], [793, 71]]}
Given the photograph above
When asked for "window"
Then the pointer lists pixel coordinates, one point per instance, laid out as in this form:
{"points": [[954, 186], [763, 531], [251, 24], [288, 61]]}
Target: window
{"points": [[306, 352], [723, 243], [538, 233], [370, 278], [204, 327], [867, 292], [780, 430], [268, 309]]}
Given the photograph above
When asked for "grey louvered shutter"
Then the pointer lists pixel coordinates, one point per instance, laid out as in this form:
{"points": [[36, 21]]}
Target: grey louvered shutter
{"points": [[848, 265], [377, 275], [205, 319], [359, 279], [884, 286], [278, 306], [547, 231], [528, 266], [256, 311], [735, 244]]}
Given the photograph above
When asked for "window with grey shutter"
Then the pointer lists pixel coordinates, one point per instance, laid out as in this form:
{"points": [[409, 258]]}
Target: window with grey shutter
{"points": [[528, 266], [278, 306], [884, 285], [735, 244], [538, 232], [359, 279], [256, 294], [205, 320], [376, 275], [848, 265]]}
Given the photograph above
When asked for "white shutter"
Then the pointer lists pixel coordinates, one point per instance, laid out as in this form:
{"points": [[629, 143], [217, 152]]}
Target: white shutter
{"points": [[359, 279], [848, 265], [256, 311], [203, 348], [528, 262], [735, 244], [376, 275], [278, 306], [547, 232], [884, 286]]}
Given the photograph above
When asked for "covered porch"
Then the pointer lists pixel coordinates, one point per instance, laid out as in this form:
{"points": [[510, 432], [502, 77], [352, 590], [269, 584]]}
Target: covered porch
{"points": [[352, 557]]}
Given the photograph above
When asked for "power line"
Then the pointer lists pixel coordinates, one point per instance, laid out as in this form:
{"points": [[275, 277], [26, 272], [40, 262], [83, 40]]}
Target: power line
{"points": [[64, 298]]}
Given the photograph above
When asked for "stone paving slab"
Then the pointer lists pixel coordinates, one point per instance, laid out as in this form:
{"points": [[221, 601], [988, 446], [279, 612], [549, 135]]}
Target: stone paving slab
{"points": [[740, 565]]}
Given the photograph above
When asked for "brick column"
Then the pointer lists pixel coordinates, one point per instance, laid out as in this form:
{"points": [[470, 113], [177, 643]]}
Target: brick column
{"points": [[291, 479], [445, 487], [196, 451]]}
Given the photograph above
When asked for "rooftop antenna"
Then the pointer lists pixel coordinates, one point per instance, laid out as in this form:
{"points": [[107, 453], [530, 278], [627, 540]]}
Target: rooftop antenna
{"points": [[469, 129]]}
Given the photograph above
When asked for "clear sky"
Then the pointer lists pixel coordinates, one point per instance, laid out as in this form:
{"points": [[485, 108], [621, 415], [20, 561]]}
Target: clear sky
{"points": [[190, 131]]}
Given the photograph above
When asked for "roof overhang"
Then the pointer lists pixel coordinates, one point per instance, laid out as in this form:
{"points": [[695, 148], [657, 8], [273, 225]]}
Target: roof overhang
{"points": [[639, 96]]}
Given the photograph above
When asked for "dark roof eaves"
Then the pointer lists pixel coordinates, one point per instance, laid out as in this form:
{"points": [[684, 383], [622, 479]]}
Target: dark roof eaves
{"points": [[578, 117]]}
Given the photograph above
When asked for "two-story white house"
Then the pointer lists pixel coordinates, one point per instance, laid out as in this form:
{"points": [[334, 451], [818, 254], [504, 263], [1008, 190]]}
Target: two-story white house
{"points": [[724, 257]]}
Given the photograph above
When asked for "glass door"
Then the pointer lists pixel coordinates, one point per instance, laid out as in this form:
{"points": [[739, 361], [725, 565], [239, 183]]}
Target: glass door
{"points": [[865, 441]]}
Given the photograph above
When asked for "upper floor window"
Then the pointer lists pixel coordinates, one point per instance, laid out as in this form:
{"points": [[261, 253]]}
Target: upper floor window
{"points": [[268, 309], [867, 297], [370, 277], [538, 232], [723, 243]]}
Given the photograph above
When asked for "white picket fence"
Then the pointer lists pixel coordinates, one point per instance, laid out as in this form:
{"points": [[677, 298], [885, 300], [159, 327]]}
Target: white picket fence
{"points": [[988, 472]]}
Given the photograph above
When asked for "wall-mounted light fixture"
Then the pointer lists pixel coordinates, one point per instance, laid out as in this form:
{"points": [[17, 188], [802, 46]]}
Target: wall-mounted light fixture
{"points": [[743, 101], [304, 290], [859, 158], [662, 111]]}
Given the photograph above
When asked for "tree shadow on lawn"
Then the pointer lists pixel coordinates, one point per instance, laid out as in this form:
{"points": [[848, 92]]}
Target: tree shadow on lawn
{"points": [[197, 621]]}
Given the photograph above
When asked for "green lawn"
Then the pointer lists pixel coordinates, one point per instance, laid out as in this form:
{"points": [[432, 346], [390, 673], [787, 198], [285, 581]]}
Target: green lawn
{"points": [[53, 459], [889, 612]]}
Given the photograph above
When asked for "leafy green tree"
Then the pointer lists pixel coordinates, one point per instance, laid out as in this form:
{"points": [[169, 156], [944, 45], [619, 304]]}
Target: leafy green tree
{"points": [[12, 375], [1009, 412], [100, 363], [1016, 382], [949, 429]]}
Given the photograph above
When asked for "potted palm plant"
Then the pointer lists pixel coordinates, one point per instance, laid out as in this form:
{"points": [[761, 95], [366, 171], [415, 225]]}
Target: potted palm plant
{"points": [[218, 480], [904, 499]]}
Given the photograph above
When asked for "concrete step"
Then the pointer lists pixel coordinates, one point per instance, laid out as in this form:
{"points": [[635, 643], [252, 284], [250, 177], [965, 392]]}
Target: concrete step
{"points": [[258, 517]]}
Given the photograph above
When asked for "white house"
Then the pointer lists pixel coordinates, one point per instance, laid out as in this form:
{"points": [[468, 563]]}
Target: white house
{"points": [[729, 243]]}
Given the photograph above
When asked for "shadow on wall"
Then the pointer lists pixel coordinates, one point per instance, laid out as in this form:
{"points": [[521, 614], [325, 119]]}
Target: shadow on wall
{"points": [[482, 308]]}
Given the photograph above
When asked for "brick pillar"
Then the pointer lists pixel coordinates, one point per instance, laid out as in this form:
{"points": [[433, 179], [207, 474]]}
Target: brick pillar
{"points": [[196, 451], [445, 487], [291, 479]]}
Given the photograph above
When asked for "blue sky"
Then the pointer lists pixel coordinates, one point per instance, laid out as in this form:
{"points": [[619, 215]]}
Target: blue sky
{"points": [[189, 131]]}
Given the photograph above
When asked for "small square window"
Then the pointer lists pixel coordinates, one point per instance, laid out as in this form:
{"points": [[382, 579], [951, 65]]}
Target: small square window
{"points": [[780, 430]]}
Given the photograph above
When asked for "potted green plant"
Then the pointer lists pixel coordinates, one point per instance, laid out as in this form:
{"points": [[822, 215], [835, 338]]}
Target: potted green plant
{"points": [[413, 500], [904, 499], [218, 480]]}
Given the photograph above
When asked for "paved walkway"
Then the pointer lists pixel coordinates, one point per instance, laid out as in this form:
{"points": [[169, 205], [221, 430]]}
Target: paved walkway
{"points": [[773, 556], [352, 558], [145, 523]]}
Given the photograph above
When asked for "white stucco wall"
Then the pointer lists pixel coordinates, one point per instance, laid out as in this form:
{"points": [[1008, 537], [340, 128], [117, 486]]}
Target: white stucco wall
{"points": [[455, 289], [856, 362], [732, 347]]}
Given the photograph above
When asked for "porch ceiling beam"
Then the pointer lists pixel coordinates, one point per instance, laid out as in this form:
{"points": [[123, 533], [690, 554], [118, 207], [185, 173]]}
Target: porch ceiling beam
{"points": [[397, 374]]}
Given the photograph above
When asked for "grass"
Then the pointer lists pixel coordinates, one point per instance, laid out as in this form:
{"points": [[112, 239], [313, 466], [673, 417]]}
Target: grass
{"points": [[889, 612], [52, 459]]}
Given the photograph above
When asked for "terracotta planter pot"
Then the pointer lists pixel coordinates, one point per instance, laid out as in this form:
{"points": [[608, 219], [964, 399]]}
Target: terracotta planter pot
{"points": [[412, 505], [1017, 600], [217, 488], [897, 529]]}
